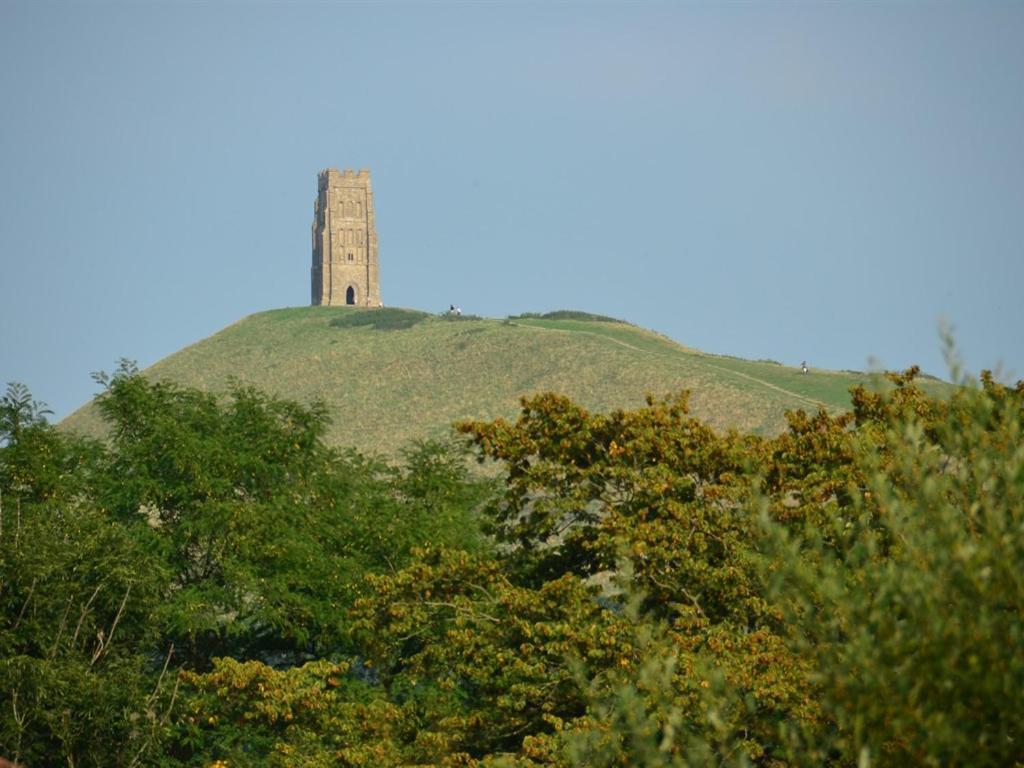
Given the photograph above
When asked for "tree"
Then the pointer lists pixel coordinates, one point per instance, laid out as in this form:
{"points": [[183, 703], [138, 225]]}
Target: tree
{"points": [[77, 597], [265, 529], [911, 605]]}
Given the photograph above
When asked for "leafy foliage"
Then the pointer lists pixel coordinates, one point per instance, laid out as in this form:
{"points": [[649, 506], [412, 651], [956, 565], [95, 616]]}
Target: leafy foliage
{"points": [[77, 592], [218, 587], [208, 527], [911, 605]]}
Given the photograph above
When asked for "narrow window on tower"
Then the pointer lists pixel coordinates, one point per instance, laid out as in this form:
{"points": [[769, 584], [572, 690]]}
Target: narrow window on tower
{"points": [[351, 257]]}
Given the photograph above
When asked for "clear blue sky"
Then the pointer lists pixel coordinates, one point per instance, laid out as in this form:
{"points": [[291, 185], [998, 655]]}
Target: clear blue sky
{"points": [[789, 181]]}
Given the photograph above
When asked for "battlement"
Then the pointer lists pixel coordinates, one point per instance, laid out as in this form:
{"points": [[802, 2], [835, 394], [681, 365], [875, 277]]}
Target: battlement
{"points": [[333, 175]]}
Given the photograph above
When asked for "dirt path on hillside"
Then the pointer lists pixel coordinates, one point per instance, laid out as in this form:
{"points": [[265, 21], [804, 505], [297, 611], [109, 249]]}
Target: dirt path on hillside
{"points": [[776, 387], [747, 376]]}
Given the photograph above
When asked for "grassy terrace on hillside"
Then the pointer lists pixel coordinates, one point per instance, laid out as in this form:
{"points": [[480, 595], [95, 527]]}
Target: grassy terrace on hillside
{"points": [[829, 389], [393, 375]]}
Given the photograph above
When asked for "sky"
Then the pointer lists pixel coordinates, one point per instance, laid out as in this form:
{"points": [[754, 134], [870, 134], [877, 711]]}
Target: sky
{"points": [[789, 181]]}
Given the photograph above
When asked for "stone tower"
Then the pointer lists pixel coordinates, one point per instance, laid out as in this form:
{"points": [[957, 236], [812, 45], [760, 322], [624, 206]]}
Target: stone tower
{"points": [[345, 265]]}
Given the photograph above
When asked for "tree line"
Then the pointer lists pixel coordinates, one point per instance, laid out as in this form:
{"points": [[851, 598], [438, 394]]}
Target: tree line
{"points": [[213, 585]]}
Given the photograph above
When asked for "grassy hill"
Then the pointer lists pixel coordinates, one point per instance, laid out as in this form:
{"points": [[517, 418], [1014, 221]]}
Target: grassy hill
{"points": [[392, 375]]}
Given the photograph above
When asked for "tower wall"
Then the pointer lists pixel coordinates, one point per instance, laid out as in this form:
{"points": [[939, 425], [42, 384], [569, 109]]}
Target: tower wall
{"points": [[345, 262]]}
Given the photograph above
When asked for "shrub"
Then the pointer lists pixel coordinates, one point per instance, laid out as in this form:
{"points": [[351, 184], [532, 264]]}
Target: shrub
{"points": [[568, 314], [911, 604], [383, 319]]}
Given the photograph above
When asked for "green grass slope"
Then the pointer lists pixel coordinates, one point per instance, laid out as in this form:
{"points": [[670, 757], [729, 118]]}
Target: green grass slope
{"points": [[392, 375]]}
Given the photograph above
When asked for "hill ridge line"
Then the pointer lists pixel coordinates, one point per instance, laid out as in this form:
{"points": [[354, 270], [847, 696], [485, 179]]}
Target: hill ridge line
{"points": [[386, 389]]}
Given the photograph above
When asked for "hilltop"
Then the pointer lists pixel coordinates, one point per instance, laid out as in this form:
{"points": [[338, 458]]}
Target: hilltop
{"points": [[390, 376]]}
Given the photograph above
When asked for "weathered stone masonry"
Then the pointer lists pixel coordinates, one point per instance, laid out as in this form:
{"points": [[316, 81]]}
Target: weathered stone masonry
{"points": [[345, 269]]}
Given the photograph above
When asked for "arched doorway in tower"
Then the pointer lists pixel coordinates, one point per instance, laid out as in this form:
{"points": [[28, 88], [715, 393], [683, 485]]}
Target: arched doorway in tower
{"points": [[350, 295]]}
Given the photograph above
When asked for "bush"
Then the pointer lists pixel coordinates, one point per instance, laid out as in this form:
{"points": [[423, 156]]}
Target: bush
{"points": [[568, 314], [383, 319], [910, 604]]}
